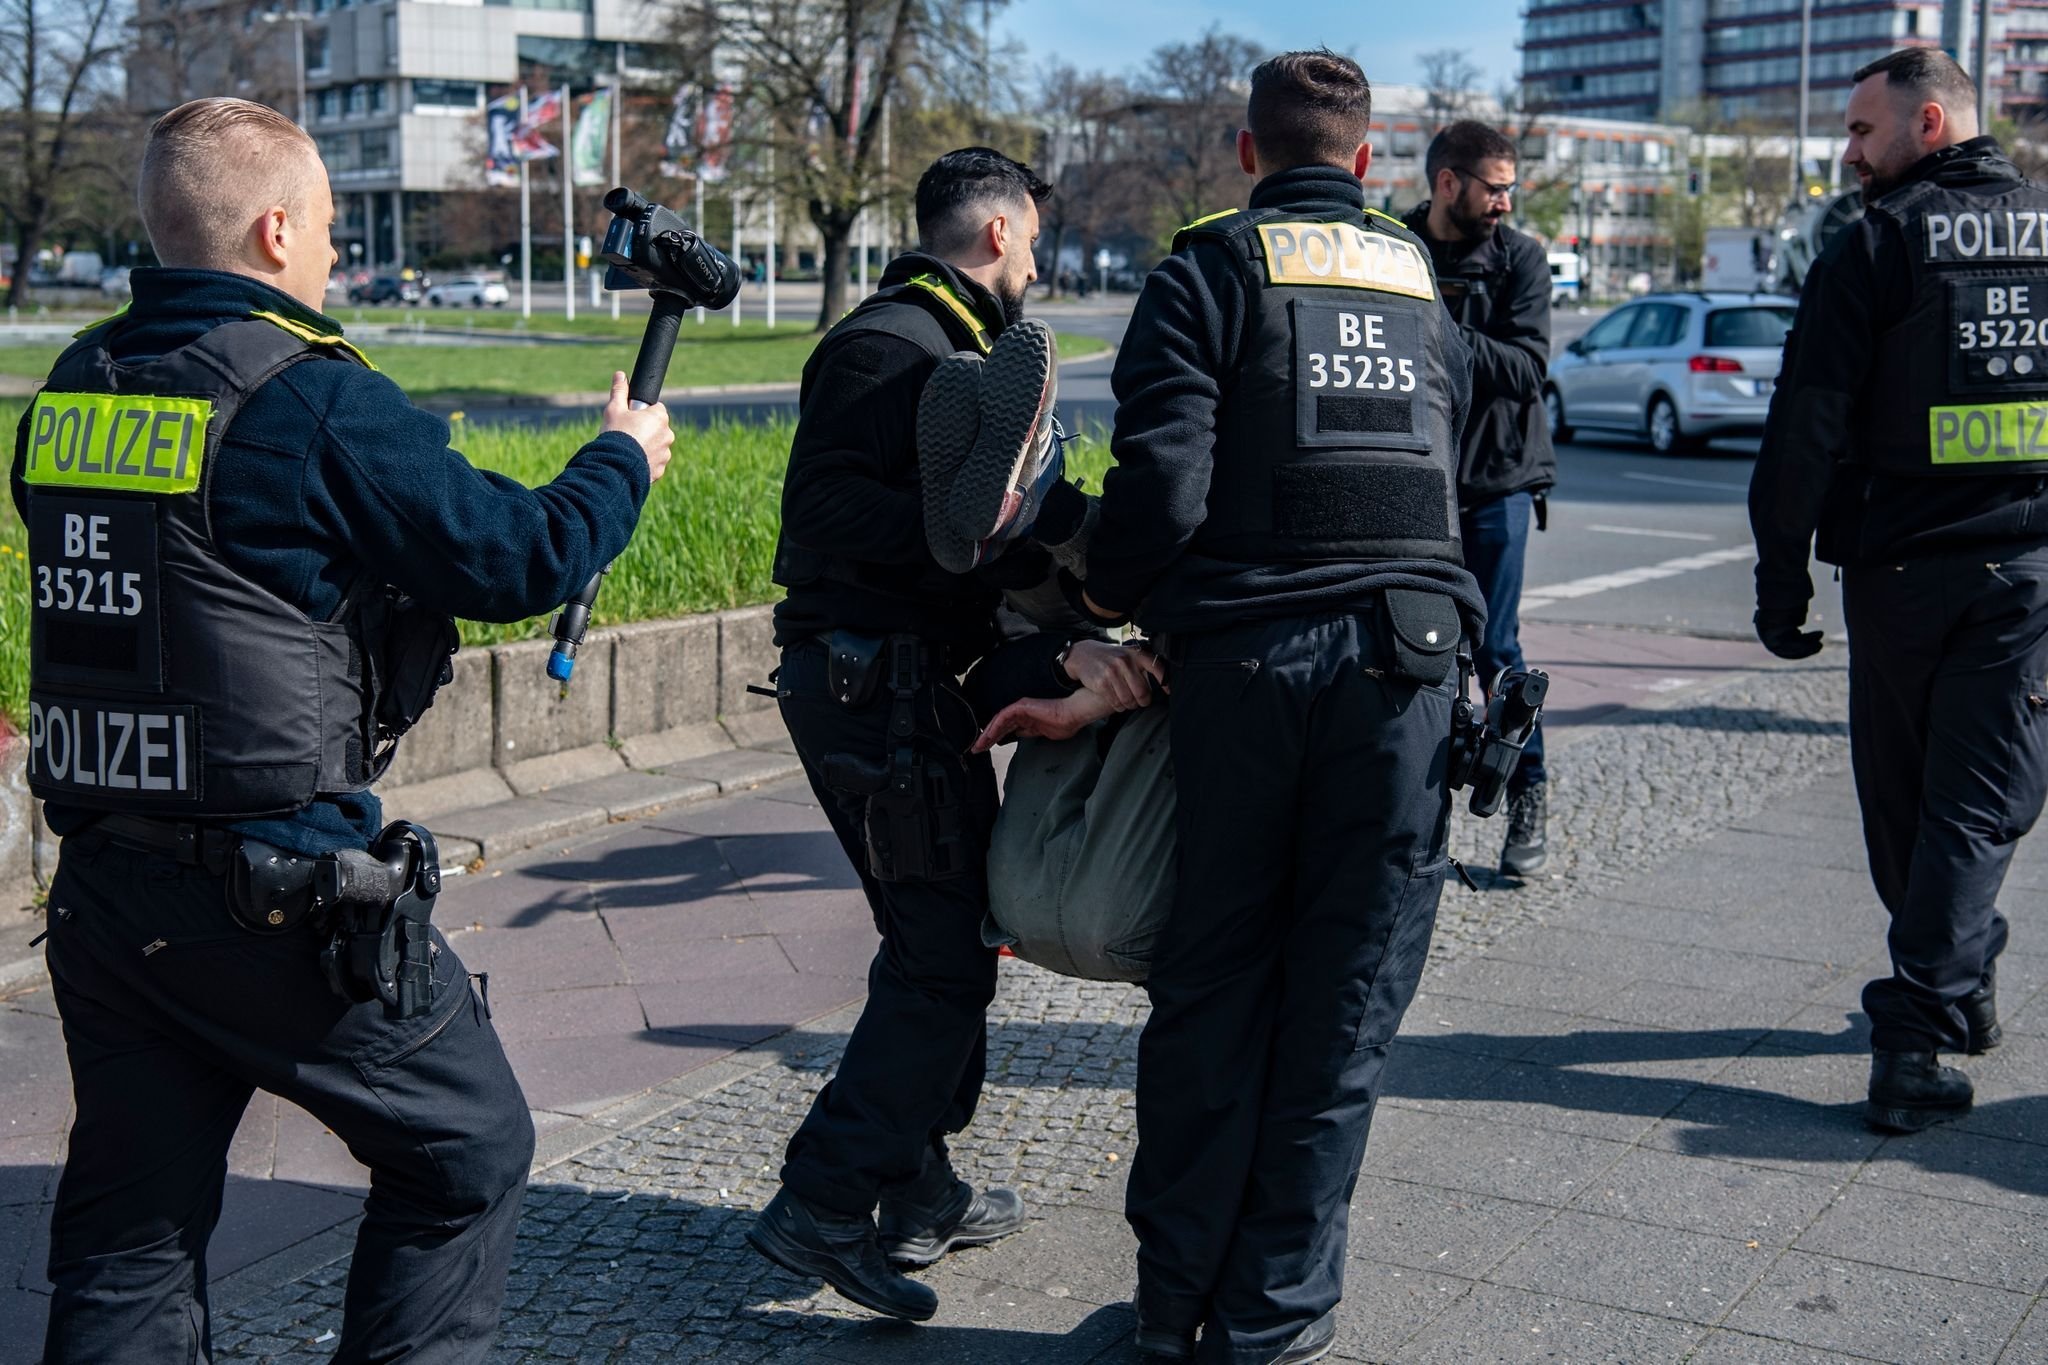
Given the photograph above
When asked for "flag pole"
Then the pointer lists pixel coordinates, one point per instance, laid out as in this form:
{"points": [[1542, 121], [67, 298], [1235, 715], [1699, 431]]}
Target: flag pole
{"points": [[618, 130], [525, 224], [739, 255], [771, 237], [568, 168]]}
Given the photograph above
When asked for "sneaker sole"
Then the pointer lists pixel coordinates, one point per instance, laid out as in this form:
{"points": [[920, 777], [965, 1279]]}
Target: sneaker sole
{"points": [[948, 425], [799, 1261], [1018, 384], [925, 1250], [1522, 867], [1898, 1119]]}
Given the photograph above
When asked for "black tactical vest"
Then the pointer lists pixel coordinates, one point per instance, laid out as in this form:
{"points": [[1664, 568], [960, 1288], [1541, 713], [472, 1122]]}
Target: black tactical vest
{"points": [[1336, 439], [920, 325], [1961, 383], [162, 682]]}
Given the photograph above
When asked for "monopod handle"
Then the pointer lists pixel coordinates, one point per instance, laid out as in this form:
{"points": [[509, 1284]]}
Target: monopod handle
{"points": [[657, 345]]}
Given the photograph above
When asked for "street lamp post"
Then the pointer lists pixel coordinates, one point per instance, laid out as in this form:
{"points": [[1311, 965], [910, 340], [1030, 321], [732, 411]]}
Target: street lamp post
{"points": [[298, 19]]}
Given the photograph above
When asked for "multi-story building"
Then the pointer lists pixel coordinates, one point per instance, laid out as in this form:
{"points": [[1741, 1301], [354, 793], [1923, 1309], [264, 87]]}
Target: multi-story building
{"points": [[1732, 60], [393, 88]]}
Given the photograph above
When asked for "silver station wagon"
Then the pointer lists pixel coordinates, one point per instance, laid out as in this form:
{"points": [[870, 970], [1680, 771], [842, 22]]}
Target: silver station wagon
{"points": [[1676, 370]]}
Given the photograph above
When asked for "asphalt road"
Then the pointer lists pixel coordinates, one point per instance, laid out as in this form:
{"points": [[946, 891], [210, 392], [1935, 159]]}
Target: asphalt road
{"points": [[1635, 539]]}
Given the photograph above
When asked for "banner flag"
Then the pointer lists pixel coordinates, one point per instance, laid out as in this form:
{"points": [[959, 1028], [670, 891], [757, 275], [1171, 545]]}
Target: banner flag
{"points": [[593, 131], [501, 159], [527, 140]]}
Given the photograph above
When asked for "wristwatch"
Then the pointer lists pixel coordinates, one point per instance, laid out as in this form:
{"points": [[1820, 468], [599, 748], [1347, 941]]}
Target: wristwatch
{"points": [[1059, 663]]}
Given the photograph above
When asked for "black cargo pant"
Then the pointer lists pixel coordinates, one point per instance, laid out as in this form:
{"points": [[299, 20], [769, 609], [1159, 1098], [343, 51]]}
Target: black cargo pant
{"points": [[1312, 818], [1948, 733], [912, 1069], [173, 1016]]}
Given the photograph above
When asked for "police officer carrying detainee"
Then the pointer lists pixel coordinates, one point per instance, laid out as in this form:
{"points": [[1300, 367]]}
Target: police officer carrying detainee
{"points": [[874, 633], [1906, 428], [247, 547], [1283, 513], [1496, 283]]}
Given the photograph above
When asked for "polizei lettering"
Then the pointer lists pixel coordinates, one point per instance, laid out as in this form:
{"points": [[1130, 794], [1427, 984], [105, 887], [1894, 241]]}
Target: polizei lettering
{"points": [[82, 747], [1989, 433], [125, 443], [1343, 256], [1986, 235]]}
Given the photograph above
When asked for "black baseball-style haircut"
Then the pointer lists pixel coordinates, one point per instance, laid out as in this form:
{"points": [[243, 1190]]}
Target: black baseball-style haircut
{"points": [[1462, 145], [1308, 109], [1926, 74], [962, 190]]}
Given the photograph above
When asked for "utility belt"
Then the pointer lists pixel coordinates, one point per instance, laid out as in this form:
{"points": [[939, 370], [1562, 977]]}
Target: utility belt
{"points": [[373, 907], [915, 822]]}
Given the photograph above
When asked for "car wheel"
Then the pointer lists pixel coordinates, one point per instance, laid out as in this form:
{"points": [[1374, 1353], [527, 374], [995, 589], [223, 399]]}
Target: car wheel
{"points": [[1666, 436], [1553, 404]]}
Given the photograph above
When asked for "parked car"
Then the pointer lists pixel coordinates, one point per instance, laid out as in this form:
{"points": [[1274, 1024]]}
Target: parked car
{"points": [[471, 291], [385, 289], [1674, 369], [114, 283]]}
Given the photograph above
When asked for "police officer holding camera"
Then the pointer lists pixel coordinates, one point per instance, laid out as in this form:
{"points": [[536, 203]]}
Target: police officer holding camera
{"points": [[1283, 512], [1906, 429], [247, 550]]}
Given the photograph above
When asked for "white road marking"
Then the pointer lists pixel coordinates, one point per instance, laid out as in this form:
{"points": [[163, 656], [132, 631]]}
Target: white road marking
{"points": [[1533, 598], [1677, 482], [1646, 531]]}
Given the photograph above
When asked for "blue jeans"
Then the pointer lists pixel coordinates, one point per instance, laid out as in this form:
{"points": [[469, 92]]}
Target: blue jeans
{"points": [[1496, 543]]}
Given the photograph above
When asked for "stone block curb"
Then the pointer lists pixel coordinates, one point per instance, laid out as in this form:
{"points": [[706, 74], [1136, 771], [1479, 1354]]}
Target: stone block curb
{"points": [[739, 769], [520, 823], [635, 795]]}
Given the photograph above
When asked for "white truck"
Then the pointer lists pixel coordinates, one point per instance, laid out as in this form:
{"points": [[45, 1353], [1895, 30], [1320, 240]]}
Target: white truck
{"points": [[1740, 260], [1567, 271]]}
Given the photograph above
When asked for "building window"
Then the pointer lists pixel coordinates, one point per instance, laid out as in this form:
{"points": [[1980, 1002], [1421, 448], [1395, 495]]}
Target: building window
{"points": [[358, 100], [376, 143], [1407, 142], [377, 99], [327, 105], [438, 96], [317, 48], [391, 37]]}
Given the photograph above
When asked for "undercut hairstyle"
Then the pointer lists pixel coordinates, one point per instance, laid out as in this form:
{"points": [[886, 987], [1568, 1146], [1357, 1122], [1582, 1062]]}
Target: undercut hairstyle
{"points": [[1463, 145], [1925, 75], [962, 190], [210, 168], [1308, 109]]}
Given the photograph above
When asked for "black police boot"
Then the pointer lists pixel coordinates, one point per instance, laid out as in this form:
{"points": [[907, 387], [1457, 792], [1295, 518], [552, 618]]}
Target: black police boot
{"points": [[1314, 1341], [939, 1211], [1910, 1091], [1980, 1013], [1528, 842], [843, 1252], [1164, 1342]]}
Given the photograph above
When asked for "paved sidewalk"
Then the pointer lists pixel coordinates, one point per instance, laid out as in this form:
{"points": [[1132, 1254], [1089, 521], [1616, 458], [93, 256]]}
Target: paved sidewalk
{"points": [[1621, 1124]]}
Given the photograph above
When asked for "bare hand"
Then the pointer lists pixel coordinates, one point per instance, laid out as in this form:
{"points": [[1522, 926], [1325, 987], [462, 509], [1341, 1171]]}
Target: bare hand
{"points": [[1116, 673], [649, 426], [1043, 718]]}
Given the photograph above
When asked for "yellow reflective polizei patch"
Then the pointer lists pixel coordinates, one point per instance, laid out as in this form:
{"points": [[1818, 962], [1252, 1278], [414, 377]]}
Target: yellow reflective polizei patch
{"points": [[1344, 256], [1988, 433], [127, 442]]}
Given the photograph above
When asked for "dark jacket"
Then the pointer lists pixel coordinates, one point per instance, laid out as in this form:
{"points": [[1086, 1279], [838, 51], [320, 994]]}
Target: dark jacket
{"points": [[1172, 375], [1498, 290], [852, 494], [1806, 475], [330, 474]]}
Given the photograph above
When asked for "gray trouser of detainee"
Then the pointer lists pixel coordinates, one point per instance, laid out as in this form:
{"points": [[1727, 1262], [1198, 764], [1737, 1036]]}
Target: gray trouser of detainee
{"points": [[1081, 866]]}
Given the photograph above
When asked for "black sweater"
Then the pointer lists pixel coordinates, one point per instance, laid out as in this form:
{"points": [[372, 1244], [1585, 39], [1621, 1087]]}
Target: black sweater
{"points": [[1805, 479], [1171, 378]]}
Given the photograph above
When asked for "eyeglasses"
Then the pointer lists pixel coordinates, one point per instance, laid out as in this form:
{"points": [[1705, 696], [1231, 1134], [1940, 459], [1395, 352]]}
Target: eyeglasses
{"points": [[1493, 191]]}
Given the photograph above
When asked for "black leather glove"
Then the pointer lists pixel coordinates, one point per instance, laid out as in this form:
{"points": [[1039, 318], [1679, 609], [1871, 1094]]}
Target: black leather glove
{"points": [[1779, 629]]}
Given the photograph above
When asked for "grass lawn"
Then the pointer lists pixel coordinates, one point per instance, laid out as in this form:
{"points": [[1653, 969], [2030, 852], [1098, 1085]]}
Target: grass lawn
{"points": [[706, 539], [716, 354]]}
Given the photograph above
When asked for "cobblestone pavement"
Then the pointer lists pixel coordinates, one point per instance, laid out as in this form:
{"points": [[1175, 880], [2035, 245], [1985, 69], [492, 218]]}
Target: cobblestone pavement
{"points": [[1621, 1124]]}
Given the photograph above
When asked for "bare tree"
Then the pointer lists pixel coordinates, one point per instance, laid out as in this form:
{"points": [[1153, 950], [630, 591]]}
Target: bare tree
{"points": [[56, 69], [1091, 192], [1187, 107], [1450, 85]]}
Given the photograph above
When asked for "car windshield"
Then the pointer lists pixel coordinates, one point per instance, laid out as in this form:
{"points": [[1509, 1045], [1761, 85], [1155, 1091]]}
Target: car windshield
{"points": [[1757, 327]]}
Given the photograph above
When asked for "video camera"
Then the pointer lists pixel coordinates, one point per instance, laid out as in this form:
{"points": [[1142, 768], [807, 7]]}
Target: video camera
{"points": [[1485, 747], [647, 246]]}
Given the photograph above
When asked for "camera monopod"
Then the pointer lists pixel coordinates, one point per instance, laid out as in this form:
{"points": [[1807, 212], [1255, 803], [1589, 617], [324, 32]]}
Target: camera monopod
{"points": [[646, 247]]}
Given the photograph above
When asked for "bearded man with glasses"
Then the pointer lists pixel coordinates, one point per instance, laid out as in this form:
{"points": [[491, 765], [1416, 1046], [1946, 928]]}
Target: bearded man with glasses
{"points": [[1496, 283]]}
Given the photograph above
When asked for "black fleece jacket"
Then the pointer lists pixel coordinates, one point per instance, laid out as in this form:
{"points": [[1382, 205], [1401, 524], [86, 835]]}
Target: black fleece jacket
{"points": [[1498, 292], [852, 493], [1806, 475], [1172, 377], [329, 474]]}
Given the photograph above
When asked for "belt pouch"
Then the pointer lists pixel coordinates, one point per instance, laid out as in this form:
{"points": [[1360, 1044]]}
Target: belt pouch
{"points": [[270, 890], [852, 668], [1423, 634]]}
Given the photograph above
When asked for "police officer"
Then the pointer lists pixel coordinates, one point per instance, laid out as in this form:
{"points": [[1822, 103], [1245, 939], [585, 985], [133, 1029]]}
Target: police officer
{"points": [[1906, 428], [1283, 512], [247, 548], [874, 633], [1496, 283]]}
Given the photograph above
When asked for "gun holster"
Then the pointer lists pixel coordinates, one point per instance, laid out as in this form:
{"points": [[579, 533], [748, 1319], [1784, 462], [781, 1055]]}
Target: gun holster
{"points": [[1486, 746], [380, 905], [270, 890], [913, 823]]}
